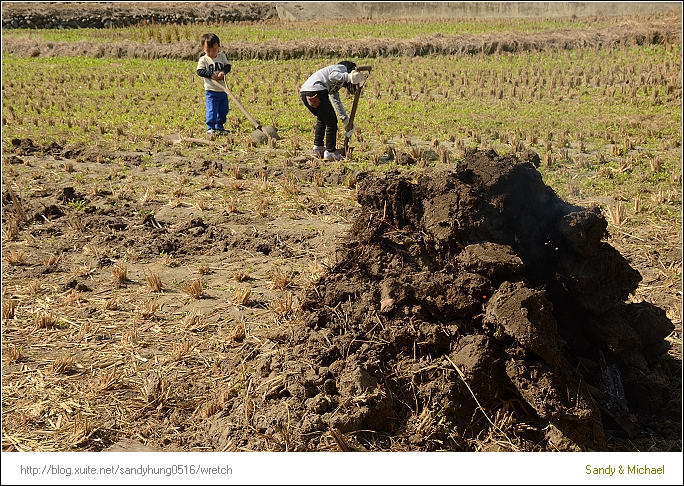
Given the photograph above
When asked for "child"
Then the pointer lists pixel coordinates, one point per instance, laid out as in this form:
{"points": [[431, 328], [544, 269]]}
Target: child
{"points": [[213, 65], [317, 93]]}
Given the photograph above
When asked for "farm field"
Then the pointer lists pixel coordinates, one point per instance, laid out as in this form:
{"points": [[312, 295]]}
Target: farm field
{"points": [[217, 294]]}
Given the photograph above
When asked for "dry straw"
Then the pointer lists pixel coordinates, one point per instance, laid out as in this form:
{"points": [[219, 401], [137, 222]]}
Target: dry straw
{"points": [[8, 308], [241, 296], [154, 283], [193, 288]]}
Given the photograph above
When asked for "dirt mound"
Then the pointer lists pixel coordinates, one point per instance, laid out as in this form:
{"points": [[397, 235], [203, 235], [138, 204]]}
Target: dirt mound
{"points": [[471, 309]]}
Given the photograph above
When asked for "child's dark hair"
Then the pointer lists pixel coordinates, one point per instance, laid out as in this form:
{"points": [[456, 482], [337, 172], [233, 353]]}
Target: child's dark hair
{"points": [[349, 65], [211, 40], [351, 88]]}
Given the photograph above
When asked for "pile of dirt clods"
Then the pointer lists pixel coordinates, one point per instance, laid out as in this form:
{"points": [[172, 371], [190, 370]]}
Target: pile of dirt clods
{"points": [[472, 309]]}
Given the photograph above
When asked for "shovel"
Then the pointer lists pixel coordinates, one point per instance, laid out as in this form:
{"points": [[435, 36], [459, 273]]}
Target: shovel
{"points": [[350, 125], [261, 134]]}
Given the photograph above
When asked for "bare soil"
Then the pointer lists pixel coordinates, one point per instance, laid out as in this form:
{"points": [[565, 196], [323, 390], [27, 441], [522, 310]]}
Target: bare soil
{"points": [[469, 309]]}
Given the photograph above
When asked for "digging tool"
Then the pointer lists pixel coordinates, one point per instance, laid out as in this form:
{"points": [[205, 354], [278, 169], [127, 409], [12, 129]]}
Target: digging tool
{"points": [[350, 125], [261, 133]]}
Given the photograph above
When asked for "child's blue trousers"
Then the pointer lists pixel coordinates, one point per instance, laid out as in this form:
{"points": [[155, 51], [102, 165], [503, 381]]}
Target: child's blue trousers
{"points": [[217, 109]]}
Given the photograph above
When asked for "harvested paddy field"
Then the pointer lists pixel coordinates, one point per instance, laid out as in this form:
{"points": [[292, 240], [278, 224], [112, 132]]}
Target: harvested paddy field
{"points": [[446, 287]]}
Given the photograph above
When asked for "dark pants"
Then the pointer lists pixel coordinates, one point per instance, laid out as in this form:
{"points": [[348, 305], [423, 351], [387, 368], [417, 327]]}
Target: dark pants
{"points": [[326, 124]]}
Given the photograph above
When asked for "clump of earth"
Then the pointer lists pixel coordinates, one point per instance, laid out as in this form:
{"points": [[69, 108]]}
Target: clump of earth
{"points": [[470, 309]]}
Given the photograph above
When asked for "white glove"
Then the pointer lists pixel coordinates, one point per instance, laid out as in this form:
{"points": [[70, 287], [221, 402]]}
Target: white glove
{"points": [[348, 131], [357, 77]]}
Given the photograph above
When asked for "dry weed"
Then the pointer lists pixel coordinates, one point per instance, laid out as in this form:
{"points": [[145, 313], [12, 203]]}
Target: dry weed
{"points": [[216, 405], [318, 179], [11, 230], [33, 287], [231, 206], [179, 351], [616, 214], [350, 182], [120, 273], [16, 257], [240, 276], [203, 202], [154, 390], [51, 260], [236, 186], [82, 430], [85, 270], [148, 196], [210, 409], [62, 366], [73, 297], [178, 192], [281, 280], [194, 321], [45, 321], [341, 440], [13, 354], [110, 304], [204, 269], [638, 204], [239, 332], [290, 186], [169, 260], [281, 308], [241, 296], [129, 337], [110, 380], [147, 309], [261, 206], [8, 308], [658, 198], [154, 283], [91, 250], [194, 288]]}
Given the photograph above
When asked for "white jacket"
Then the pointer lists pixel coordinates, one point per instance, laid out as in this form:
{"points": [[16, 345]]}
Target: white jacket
{"points": [[331, 78]]}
